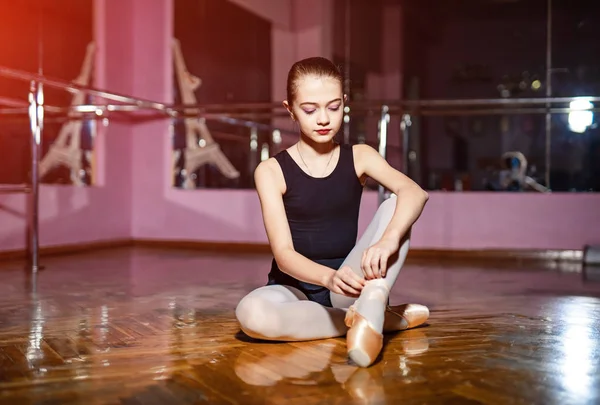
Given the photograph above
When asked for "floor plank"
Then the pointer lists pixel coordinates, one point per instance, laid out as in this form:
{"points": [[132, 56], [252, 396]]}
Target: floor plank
{"points": [[148, 326]]}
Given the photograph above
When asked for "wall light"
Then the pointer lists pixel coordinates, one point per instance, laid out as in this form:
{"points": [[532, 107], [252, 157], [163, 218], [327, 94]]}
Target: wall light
{"points": [[580, 118]]}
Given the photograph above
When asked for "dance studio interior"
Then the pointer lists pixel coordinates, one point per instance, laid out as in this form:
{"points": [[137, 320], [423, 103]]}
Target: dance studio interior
{"points": [[138, 237]]}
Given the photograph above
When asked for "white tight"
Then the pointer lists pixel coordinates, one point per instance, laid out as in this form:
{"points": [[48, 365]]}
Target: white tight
{"points": [[284, 313]]}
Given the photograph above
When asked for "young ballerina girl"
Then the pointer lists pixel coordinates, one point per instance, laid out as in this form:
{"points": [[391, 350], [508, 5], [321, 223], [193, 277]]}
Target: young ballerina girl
{"points": [[323, 283]]}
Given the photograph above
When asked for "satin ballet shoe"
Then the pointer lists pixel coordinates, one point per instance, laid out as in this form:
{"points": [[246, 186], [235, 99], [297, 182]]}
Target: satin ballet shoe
{"points": [[363, 343], [411, 316]]}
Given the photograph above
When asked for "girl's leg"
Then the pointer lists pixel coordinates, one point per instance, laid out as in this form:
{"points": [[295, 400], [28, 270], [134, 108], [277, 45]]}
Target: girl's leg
{"points": [[372, 304], [283, 313], [374, 297]]}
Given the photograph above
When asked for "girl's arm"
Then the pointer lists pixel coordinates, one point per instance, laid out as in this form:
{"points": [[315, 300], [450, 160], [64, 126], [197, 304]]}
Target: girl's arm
{"points": [[410, 202]]}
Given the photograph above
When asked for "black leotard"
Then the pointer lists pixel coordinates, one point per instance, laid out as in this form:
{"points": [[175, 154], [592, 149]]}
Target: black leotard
{"points": [[322, 215]]}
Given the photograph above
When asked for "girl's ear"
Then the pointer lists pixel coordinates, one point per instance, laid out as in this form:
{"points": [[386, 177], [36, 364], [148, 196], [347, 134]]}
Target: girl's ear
{"points": [[289, 109]]}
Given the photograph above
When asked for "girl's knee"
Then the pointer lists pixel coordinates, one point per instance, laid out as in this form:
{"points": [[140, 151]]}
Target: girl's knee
{"points": [[258, 318]]}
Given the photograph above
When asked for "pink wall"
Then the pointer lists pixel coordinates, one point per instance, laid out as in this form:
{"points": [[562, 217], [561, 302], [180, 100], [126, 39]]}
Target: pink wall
{"points": [[450, 220], [134, 197], [68, 215], [509, 221]]}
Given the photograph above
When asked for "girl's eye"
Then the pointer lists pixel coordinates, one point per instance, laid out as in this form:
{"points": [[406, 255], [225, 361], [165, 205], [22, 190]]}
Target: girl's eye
{"points": [[334, 108]]}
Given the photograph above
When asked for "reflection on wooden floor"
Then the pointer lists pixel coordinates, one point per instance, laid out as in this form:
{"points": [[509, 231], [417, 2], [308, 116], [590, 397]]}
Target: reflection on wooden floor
{"points": [[138, 326]]}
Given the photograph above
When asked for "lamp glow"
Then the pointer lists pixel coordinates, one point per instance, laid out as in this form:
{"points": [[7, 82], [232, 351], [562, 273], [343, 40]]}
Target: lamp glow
{"points": [[580, 118]]}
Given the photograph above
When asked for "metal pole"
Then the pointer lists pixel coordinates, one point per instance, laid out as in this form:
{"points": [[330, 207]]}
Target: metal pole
{"points": [[36, 118], [253, 152], [548, 92], [276, 141], [347, 34], [37, 112], [404, 125], [383, 127]]}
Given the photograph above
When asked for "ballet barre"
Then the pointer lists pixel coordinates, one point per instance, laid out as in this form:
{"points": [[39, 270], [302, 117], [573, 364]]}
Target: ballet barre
{"points": [[14, 188], [66, 149]]}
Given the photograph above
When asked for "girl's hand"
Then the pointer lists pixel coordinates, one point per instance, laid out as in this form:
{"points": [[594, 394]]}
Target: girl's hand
{"points": [[346, 282], [374, 259]]}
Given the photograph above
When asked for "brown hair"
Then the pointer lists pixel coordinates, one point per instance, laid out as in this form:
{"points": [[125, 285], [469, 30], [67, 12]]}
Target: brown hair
{"points": [[316, 66]]}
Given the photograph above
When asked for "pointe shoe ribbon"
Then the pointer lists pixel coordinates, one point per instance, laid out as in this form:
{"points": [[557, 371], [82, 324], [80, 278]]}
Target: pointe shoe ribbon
{"points": [[413, 314]]}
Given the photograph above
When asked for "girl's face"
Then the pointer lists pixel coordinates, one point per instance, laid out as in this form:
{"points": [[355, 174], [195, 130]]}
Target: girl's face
{"points": [[318, 107]]}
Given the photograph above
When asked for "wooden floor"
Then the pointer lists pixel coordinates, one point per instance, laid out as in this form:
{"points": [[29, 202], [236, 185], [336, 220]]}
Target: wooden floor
{"points": [[138, 326]]}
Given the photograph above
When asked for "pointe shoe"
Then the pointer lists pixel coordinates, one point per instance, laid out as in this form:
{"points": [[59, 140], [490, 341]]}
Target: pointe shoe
{"points": [[412, 315], [363, 343]]}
